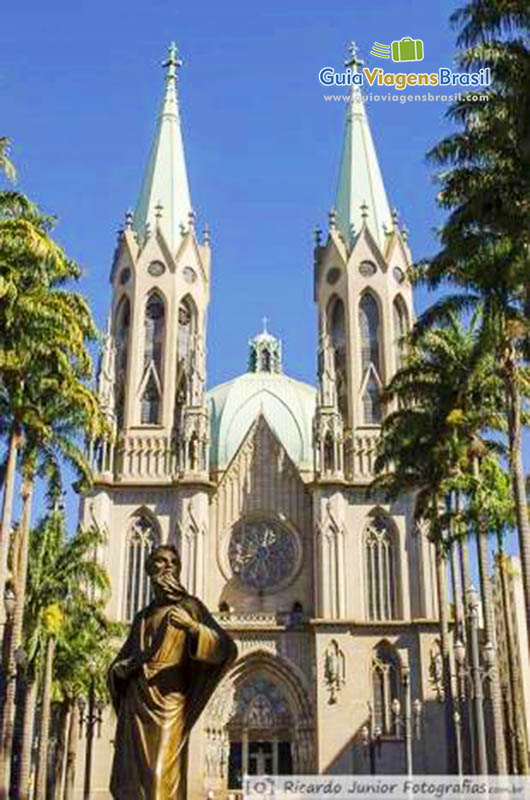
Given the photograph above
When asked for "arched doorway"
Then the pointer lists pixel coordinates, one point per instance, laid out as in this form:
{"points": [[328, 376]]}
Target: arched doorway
{"points": [[259, 731], [260, 720]]}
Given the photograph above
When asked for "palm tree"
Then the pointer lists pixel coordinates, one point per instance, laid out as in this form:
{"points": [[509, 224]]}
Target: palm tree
{"points": [[84, 653], [446, 394], [45, 329], [6, 165], [44, 397], [45, 457], [485, 187], [63, 577]]}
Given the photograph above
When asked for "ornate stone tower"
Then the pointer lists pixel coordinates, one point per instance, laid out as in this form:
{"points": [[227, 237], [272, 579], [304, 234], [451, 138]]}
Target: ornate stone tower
{"points": [[373, 575], [152, 371], [364, 302]]}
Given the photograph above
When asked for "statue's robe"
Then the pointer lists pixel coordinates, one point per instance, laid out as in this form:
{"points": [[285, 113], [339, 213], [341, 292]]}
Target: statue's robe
{"points": [[171, 673]]}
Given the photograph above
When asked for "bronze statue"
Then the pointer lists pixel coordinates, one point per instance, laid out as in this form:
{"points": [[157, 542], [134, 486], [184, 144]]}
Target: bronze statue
{"points": [[160, 682]]}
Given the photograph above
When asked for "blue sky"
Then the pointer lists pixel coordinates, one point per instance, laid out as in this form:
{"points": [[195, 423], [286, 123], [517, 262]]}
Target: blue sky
{"points": [[80, 85]]}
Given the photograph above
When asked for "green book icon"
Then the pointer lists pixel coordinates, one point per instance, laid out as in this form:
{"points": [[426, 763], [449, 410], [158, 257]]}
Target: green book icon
{"points": [[407, 49]]}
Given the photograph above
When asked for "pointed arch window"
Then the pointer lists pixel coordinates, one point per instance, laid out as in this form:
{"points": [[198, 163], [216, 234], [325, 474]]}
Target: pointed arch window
{"points": [[336, 320], [142, 537], [372, 413], [370, 349], [380, 569], [385, 687], [401, 328], [121, 338], [154, 333], [369, 329], [187, 319]]}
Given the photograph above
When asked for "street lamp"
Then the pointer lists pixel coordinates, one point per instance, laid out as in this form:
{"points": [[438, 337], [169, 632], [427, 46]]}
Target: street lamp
{"points": [[371, 738], [10, 600], [476, 673], [410, 721], [92, 718]]}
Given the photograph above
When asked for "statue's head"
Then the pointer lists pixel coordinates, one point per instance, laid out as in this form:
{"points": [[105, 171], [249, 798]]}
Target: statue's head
{"points": [[163, 566]]}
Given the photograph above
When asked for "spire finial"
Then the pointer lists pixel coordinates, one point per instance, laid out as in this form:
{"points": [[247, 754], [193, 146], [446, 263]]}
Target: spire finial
{"points": [[172, 63], [353, 59], [318, 235], [364, 210], [332, 219], [206, 235], [264, 321], [158, 212], [129, 216], [395, 218]]}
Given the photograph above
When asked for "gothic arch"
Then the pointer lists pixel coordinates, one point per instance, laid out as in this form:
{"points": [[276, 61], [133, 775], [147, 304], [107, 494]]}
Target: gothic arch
{"points": [[188, 323], [336, 329], [385, 675], [279, 669], [154, 345], [122, 339], [401, 323], [371, 355], [381, 573], [143, 534], [284, 674], [371, 316]]}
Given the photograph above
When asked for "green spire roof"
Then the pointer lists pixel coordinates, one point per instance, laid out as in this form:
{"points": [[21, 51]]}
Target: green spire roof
{"points": [[165, 195], [361, 196]]}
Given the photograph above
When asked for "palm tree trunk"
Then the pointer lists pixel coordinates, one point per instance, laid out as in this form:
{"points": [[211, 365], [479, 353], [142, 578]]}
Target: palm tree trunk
{"points": [[15, 441], [516, 704], [467, 725], [44, 733], [8, 715], [60, 749], [22, 790], [489, 625], [441, 581], [515, 436], [71, 756]]}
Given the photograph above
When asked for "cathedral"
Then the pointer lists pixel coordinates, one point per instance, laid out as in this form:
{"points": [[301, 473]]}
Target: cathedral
{"points": [[261, 482]]}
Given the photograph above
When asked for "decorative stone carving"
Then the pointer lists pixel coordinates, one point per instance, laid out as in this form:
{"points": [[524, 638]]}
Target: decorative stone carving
{"points": [[436, 669], [334, 670]]}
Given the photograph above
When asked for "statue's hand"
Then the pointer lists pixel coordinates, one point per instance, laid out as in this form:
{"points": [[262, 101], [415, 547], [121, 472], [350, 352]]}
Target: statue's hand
{"points": [[181, 619]]}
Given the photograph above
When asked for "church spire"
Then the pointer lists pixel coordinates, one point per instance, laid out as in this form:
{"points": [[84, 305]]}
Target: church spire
{"points": [[361, 196], [165, 197]]}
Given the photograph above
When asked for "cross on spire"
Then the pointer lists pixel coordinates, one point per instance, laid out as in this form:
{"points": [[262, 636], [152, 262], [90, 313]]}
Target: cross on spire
{"points": [[353, 59], [264, 321], [173, 62]]}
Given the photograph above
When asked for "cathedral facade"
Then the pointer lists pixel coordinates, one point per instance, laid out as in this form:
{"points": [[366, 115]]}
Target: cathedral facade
{"points": [[261, 484]]}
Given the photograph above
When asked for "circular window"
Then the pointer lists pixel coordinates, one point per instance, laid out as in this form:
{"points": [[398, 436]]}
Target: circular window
{"points": [[125, 274], [399, 275], [367, 269], [333, 275], [189, 274], [156, 268], [262, 553]]}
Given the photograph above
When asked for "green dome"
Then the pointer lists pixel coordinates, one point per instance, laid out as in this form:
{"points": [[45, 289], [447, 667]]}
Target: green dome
{"points": [[287, 405]]}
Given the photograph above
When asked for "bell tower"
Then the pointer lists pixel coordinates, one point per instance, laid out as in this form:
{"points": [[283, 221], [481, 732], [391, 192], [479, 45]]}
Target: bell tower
{"points": [[153, 370], [364, 303]]}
